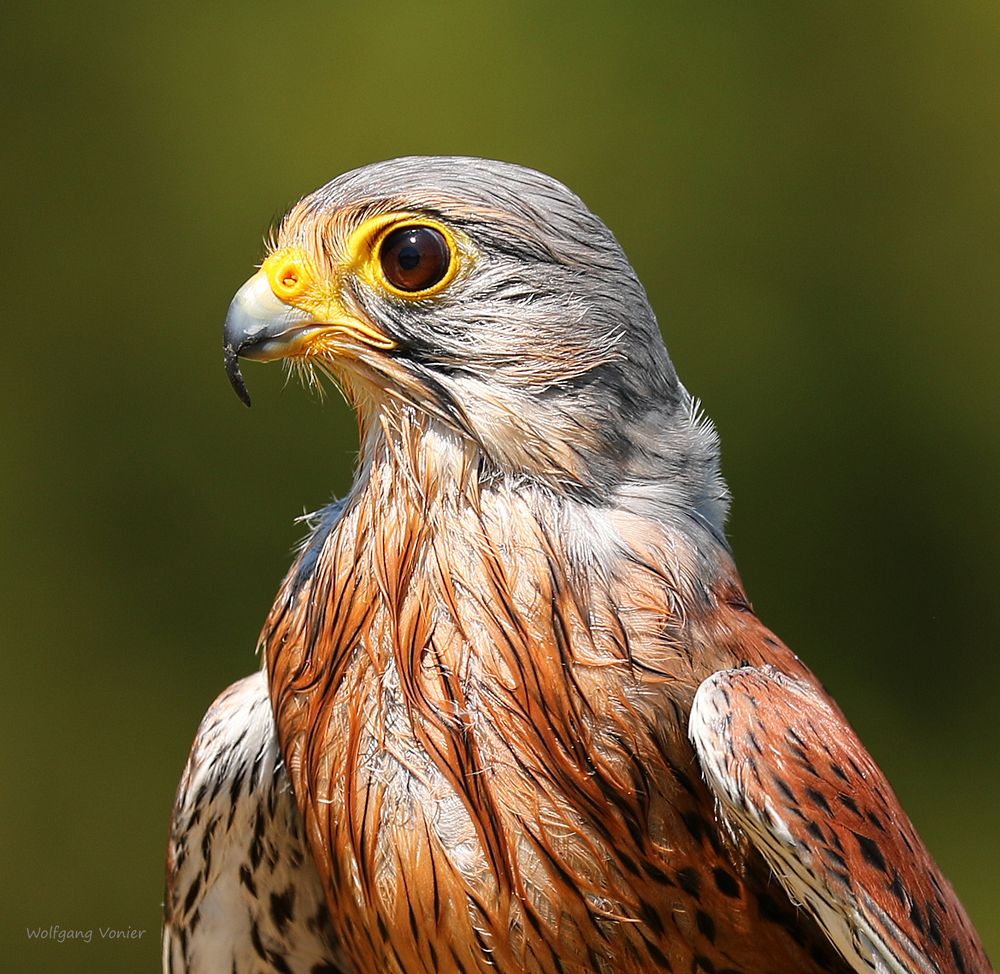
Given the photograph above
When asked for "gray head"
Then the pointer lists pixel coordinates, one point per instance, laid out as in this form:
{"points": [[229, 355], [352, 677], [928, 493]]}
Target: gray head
{"points": [[487, 297]]}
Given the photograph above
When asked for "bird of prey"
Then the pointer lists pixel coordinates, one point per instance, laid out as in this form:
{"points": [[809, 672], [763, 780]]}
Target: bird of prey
{"points": [[516, 712]]}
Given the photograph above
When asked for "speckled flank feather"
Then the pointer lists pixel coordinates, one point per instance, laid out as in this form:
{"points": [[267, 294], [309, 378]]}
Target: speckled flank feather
{"points": [[484, 663], [243, 895]]}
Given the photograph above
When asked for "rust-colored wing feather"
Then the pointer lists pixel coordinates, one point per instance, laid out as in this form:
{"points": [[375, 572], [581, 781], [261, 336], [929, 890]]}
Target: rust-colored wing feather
{"points": [[792, 777]]}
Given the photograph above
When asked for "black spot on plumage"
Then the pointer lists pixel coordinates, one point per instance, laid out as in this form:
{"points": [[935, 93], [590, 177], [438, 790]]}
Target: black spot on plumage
{"points": [[956, 952], [871, 852], [938, 892], [437, 892], [797, 746], [236, 786], [206, 847], [933, 924], [837, 864], [695, 825], [282, 908], [876, 821], [255, 772], [651, 916], [682, 779], [257, 842], [231, 816], [726, 882], [246, 878], [414, 928], [457, 961], [785, 788], [818, 799], [192, 893], [257, 943], [815, 831], [917, 918], [838, 771], [320, 919], [702, 963], [533, 921], [657, 956], [657, 875], [896, 887], [706, 925], [690, 881], [850, 803]]}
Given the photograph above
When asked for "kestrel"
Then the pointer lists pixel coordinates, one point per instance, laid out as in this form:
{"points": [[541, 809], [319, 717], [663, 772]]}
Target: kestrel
{"points": [[516, 712]]}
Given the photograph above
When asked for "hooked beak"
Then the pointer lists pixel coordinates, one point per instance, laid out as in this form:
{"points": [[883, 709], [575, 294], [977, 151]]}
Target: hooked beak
{"points": [[260, 326]]}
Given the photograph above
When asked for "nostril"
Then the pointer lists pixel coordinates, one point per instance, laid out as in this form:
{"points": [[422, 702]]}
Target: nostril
{"points": [[287, 272]]}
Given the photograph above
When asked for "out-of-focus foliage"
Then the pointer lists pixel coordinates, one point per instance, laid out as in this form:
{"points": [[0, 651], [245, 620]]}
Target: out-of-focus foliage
{"points": [[811, 193]]}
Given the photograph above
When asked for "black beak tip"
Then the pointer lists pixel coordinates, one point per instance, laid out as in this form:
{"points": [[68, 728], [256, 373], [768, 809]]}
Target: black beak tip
{"points": [[232, 361]]}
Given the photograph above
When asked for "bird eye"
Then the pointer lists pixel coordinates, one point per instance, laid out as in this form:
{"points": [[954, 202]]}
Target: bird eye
{"points": [[414, 258]]}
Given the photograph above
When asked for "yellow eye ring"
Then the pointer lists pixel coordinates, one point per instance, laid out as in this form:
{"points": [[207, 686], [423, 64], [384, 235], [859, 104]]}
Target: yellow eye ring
{"points": [[415, 258]]}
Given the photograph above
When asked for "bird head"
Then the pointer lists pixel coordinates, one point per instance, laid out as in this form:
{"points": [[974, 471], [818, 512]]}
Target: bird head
{"points": [[486, 298]]}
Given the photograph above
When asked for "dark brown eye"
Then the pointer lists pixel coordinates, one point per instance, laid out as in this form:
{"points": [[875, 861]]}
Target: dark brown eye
{"points": [[415, 258]]}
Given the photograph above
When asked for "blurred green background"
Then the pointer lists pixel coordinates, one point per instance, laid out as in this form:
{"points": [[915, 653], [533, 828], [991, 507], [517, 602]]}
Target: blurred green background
{"points": [[811, 193]]}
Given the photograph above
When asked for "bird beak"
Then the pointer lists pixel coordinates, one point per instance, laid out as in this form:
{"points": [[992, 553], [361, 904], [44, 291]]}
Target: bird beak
{"points": [[260, 326]]}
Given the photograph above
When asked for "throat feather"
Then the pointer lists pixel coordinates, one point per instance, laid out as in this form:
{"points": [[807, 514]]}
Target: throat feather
{"points": [[454, 690]]}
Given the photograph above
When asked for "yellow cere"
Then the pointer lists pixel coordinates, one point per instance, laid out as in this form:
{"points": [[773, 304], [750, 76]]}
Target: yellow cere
{"points": [[289, 273]]}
